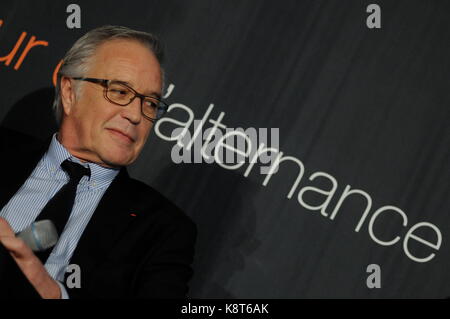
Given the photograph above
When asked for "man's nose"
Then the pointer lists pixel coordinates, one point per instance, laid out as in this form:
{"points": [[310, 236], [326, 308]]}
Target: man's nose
{"points": [[132, 111]]}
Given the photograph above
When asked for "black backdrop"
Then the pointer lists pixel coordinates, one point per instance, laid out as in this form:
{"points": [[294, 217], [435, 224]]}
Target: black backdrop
{"points": [[369, 107]]}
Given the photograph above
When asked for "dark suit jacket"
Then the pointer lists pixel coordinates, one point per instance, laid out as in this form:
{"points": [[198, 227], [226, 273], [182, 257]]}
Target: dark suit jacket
{"points": [[120, 255]]}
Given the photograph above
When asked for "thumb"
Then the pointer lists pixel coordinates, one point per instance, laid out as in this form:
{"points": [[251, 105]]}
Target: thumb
{"points": [[5, 228], [16, 246]]}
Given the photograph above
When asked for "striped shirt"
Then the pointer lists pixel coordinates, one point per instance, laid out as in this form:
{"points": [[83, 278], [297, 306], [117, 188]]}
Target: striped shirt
{"points": [[43, 183]]}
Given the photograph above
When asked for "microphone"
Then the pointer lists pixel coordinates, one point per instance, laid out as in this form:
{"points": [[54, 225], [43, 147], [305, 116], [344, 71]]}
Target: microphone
{"points": [[40, 235]]}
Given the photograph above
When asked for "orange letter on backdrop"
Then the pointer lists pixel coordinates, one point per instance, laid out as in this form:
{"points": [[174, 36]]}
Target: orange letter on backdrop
{"points": [[31, 43], [55, 73], [8, 58]]}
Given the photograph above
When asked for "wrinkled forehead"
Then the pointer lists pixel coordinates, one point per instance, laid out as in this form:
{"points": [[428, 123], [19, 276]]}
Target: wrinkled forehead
{"points": [[128, 61]]}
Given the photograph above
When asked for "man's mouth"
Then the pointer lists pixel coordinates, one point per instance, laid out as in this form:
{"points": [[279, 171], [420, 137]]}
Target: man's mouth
{"points": [[121, 135]]}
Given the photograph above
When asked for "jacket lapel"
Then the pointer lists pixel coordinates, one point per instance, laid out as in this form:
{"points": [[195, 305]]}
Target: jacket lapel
{"points": [[109, 220]]}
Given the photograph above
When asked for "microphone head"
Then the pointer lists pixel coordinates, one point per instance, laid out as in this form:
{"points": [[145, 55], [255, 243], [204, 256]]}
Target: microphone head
{"points": [[40, 235]]}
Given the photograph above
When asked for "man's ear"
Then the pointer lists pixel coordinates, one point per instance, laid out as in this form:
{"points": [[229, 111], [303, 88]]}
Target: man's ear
{"points": [[67, 94]]}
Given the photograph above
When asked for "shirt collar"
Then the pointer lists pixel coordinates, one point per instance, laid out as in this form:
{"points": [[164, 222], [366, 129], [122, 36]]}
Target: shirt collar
{"points": [[57, 153]]}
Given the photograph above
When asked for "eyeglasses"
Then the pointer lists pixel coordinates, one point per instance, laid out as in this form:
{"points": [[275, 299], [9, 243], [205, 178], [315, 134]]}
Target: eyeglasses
{"points": [[117, 92]]}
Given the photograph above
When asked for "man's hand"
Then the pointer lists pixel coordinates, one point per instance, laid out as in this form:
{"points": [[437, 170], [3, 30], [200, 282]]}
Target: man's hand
{"points": [[27, 261]]}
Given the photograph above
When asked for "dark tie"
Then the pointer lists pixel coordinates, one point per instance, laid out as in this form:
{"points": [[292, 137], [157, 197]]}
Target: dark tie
{"points": [[58, 209]]}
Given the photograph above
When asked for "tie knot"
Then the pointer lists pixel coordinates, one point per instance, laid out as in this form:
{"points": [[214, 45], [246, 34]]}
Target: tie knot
{"points": [[75, 170]]}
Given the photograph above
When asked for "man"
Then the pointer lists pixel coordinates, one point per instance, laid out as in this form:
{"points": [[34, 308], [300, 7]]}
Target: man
{"points": [[127, 239]]}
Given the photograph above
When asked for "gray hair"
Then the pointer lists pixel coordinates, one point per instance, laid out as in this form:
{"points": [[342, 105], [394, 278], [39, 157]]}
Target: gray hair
{"points": [[76, 61]]}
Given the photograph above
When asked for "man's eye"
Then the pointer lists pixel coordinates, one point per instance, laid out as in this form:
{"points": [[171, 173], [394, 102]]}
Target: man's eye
{"points": [[150, 103], [119, 92]]}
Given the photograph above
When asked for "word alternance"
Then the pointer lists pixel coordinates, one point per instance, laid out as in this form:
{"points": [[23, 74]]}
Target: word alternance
{"points": [[295, 167]]}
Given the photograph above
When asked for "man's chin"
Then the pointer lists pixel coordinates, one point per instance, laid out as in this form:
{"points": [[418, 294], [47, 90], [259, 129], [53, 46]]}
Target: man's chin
{"points": [[115, 161], [117, 154]]}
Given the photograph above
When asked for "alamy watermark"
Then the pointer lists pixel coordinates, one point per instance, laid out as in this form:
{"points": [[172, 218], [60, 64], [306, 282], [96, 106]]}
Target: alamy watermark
{"points": [[374, 279], [228, 147]]}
